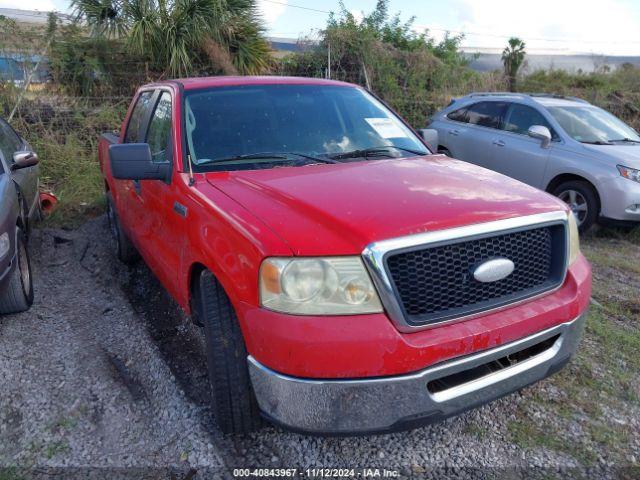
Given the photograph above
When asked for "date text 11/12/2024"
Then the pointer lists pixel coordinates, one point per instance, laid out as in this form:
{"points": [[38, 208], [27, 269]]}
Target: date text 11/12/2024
{"points": [[316, 472]]}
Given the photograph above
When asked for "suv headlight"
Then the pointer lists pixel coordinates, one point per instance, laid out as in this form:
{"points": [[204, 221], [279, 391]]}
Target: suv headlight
{"points": [[574, 238], [317, 286], [630, 173], [5, 245]]}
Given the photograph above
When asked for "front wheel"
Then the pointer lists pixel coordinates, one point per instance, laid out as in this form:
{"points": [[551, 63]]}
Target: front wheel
{"points": [[583, 201], [232, 398], [18, 294]]}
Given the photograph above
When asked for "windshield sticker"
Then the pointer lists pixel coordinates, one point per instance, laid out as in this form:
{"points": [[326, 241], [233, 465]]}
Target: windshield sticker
{"points": [[386, 128]]}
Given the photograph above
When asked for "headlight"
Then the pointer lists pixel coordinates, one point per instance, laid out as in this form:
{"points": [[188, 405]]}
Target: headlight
{"points": [[574, 238], [5, 245], [317, 286], [630, 173]]}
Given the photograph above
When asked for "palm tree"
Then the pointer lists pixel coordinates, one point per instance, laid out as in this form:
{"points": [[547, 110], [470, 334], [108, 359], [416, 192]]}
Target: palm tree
{"points": [[512, 59], [182, 36]]}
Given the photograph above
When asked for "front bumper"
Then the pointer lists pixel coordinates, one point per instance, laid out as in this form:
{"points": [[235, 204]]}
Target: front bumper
{"points": [[363, 406], [617, 196]]}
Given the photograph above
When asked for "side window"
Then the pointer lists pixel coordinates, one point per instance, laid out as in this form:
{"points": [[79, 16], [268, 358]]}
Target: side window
{"points": [[459, 115], [522, 117], [487, 114], [9, 141], [137, 116], [159, 128]]}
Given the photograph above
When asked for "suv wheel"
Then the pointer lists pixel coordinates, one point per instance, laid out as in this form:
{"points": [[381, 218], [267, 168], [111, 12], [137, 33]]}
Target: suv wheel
{"points": [[583, 201], [124, 249], [232, 398], [18, 294]]}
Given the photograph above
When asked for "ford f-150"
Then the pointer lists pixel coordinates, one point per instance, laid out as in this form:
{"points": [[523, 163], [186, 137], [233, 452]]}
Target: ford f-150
{"points": [[348, 280]]}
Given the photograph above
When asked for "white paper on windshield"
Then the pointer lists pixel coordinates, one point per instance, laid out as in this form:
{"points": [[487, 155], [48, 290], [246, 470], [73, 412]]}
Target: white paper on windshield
{"points": [[386, 128]]}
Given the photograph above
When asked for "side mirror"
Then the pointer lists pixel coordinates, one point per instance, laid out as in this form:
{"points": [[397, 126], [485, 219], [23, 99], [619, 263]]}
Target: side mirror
{"points": [[430, 136], [24, 159], [133, 161], [541, 133]]}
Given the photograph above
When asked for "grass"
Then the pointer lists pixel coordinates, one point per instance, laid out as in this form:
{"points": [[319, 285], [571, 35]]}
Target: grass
{"points": [[600, 392]]}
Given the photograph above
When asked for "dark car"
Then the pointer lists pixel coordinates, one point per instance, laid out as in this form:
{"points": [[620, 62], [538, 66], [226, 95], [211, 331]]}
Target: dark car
{"points": [[19, 207]]}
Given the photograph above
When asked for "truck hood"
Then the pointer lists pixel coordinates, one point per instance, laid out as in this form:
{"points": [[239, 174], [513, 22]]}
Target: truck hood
{"points": [[625, 154], [339, 209]]}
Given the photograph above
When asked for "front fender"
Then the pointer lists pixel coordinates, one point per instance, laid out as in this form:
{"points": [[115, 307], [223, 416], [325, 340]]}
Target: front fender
{"points": [[9, 214]]}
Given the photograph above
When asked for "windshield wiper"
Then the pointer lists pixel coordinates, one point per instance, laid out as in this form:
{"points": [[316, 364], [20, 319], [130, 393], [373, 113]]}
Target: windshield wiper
{"points": [[629, 140], [286, 156], [374, 151], [596, 142]]}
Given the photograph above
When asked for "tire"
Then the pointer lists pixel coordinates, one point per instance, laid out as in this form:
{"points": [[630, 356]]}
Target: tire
{"points": [[232, 399], [445, 151], [123, 248], [582, 199], [17, 296]]}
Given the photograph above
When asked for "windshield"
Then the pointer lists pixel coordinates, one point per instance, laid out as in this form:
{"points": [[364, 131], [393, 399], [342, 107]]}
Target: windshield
{"points": [[237, 127], [592, 125]]}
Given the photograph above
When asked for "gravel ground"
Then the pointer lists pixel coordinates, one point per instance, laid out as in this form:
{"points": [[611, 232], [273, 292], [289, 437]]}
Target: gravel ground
{"points": [[105, 378]]}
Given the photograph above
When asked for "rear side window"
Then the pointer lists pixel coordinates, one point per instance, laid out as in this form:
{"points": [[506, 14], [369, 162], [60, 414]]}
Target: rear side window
{"points": [[487, 114], [522, 117], [137, 117], [459, 115], [159, 128]]}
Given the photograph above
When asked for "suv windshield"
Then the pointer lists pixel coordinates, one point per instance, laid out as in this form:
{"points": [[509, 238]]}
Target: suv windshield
{"points": [[593, 125], [245, 126]]}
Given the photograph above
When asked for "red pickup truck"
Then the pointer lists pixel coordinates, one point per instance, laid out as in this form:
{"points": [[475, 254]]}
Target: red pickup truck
{"points": [[348, 280]]}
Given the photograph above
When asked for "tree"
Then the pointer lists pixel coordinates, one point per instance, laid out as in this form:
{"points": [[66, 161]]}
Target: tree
{"points": [[512, 59], [184, 37]]}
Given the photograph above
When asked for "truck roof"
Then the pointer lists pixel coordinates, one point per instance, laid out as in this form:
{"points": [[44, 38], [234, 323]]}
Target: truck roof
{"points": [[224, 81]]}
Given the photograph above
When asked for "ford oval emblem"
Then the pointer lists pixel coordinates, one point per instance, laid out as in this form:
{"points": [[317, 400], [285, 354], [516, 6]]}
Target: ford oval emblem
{"points": [[493, 270]]}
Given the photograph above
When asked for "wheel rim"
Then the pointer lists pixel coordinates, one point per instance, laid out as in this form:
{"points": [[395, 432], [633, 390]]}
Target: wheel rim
{"points": [[25, 272], [577, 203]]}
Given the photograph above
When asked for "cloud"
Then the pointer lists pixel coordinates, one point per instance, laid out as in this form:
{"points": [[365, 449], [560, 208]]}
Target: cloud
{"points": [[575, 24], [271, 12], [42, 5]]}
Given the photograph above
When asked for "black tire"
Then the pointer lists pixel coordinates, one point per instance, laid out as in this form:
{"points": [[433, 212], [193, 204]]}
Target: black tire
{"points": [[232, 399], [445, 151], [17, 296], [124, 249], [583, 199]]}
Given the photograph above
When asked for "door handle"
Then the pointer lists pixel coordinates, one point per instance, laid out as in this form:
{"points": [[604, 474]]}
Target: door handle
{"points": [[454, 132], [498, 143]]}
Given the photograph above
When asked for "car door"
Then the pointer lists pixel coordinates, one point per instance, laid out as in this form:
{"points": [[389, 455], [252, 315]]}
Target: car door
{"points": [[26, 178], [127, 194], [473, 142], [166, 217], [515, 153]]}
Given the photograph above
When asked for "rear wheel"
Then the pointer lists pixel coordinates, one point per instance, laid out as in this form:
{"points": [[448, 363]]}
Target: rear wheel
{"points": [[124, 249], [445, 151], [583, 201], [18, 294], [232, 398]]}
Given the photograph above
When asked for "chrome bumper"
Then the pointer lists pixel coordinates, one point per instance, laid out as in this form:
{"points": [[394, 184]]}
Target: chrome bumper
{"points": [[344, 407]]}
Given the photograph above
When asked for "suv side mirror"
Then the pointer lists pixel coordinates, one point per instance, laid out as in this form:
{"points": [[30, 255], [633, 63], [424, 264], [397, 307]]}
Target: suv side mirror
{"points": [[24, 159], [133, 161], [541, 133], [430, 136]]}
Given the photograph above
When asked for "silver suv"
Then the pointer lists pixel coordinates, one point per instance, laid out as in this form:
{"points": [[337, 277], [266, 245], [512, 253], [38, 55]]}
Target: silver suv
{"points": [[563, 145]]}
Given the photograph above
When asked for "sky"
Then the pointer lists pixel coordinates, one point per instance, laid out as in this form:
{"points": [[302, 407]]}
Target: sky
{"points": [[607, 27]]}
